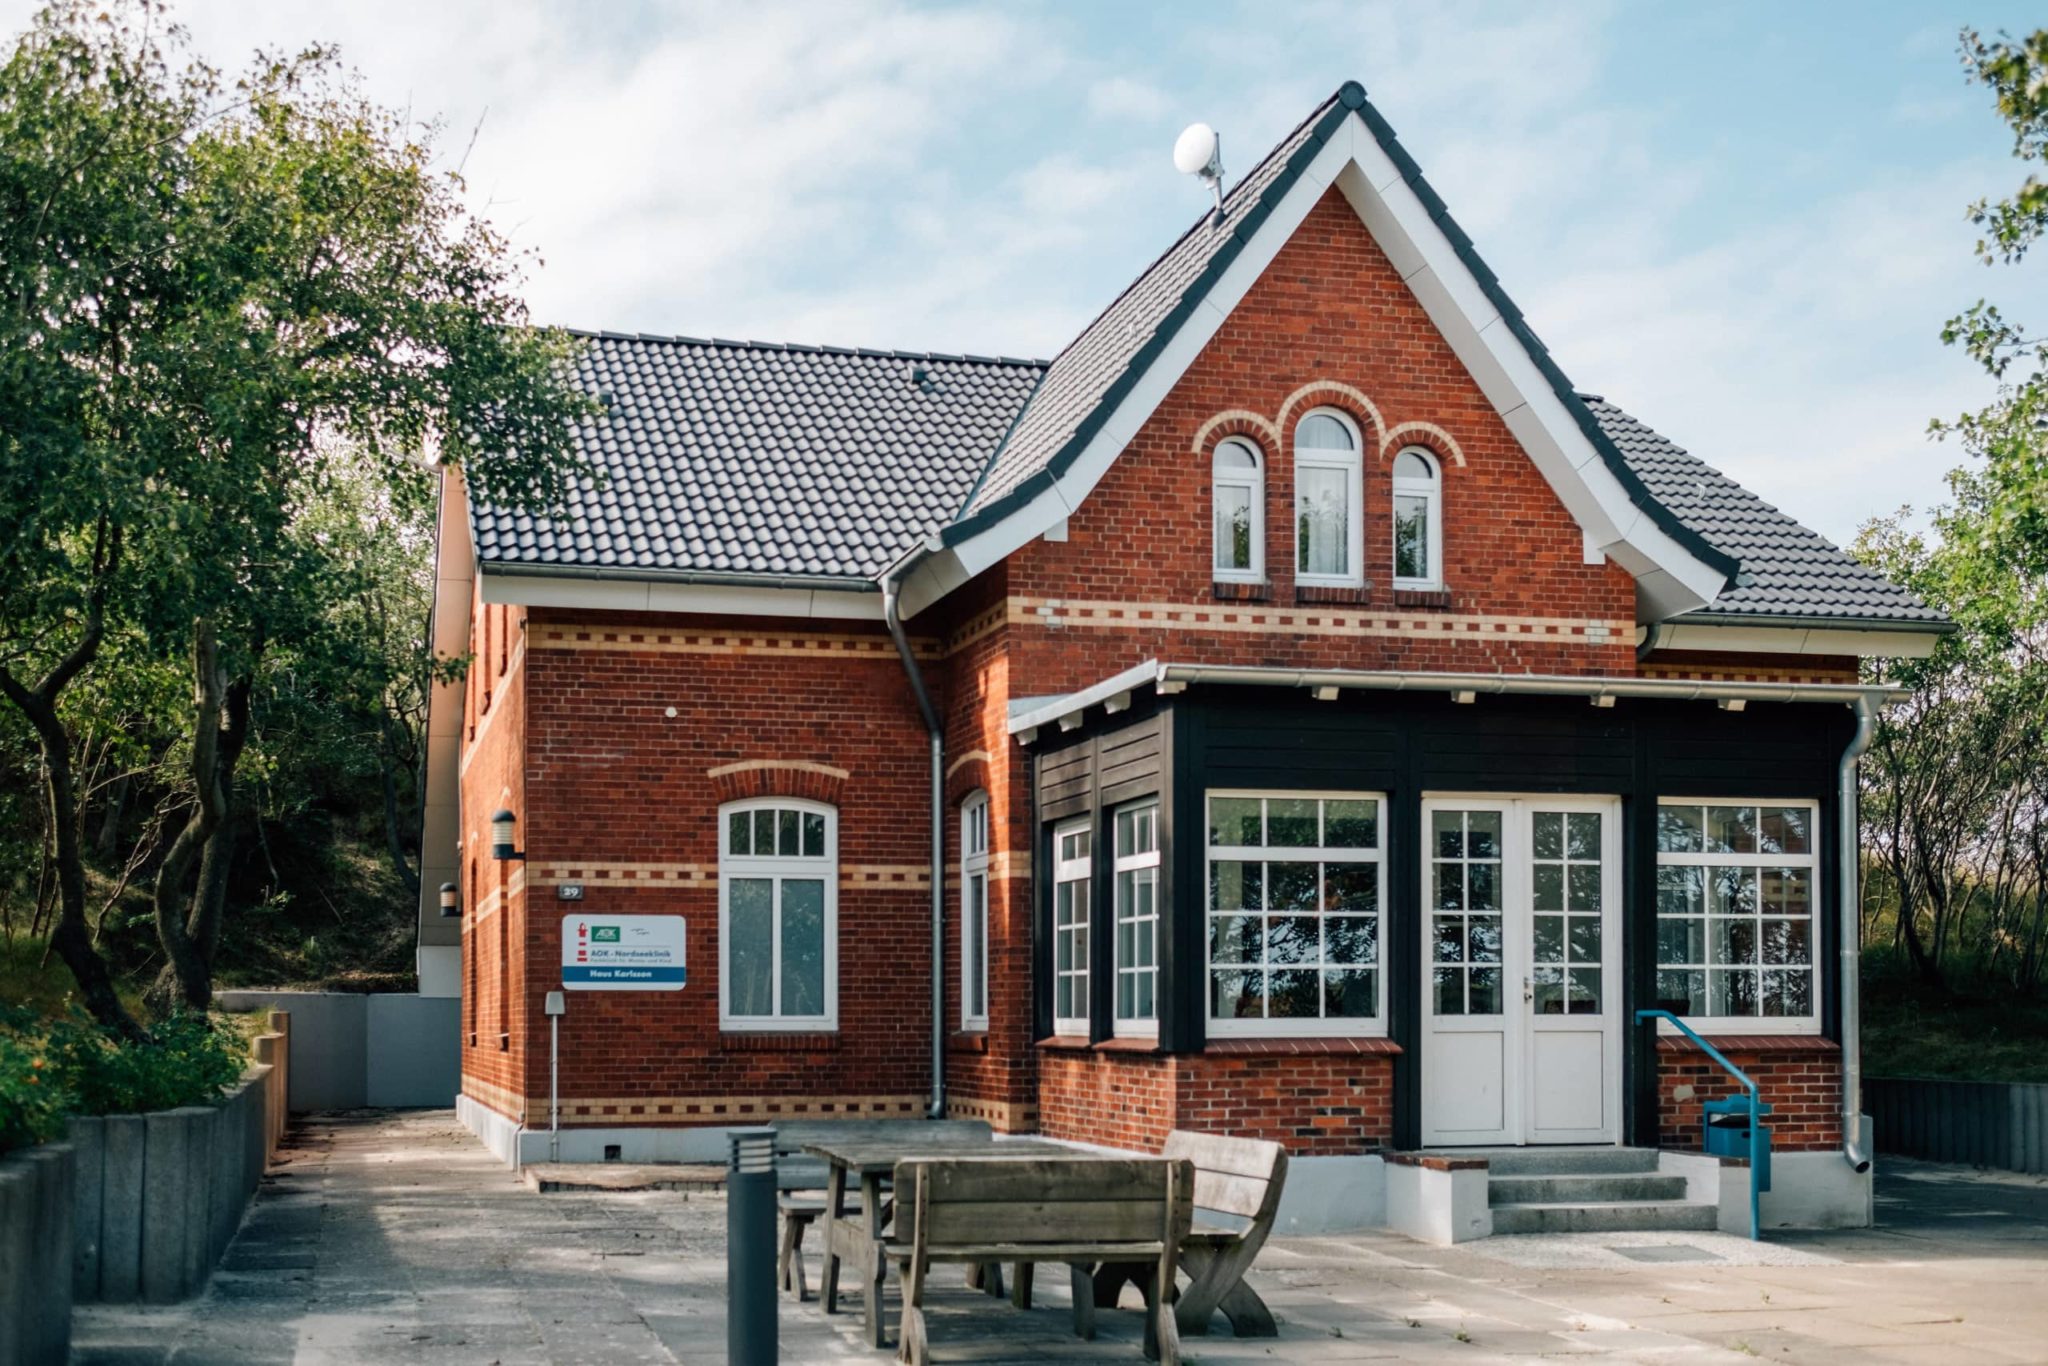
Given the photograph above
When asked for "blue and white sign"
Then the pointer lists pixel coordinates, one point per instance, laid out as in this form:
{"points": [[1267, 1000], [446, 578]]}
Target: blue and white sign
{"points": [[622, 953]]}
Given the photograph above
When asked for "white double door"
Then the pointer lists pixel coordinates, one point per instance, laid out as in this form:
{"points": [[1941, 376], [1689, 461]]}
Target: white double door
{"points": [[1521, 983]]}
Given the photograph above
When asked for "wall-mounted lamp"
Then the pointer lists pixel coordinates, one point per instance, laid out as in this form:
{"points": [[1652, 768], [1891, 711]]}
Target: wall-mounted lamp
{"points": [[501, 837], [1734, 703], [451, 909], [1464, 697]]}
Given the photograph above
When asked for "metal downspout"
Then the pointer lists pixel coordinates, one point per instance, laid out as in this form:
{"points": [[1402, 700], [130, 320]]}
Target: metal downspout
{"points": [[1851, 930], [932, 727]]}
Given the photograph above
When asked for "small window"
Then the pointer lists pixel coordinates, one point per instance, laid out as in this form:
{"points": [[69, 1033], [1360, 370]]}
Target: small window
{"points": [[974, 912], [1296, 883], [1072, 887], [778, 886], [1328, 531], [1137, 919], [1418, 520], [1737, 913], [1240, 530]]}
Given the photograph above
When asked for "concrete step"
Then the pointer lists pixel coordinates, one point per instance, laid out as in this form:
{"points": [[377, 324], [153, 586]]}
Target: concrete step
{"points": [[1615, 1216], [1566, 1190], [1602, 1161]]}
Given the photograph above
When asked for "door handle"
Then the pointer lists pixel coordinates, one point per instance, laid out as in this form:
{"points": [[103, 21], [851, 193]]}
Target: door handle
{"points": [[1528, 992]]}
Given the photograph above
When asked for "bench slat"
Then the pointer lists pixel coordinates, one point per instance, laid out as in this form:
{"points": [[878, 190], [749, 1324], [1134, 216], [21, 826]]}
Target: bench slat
{"points": [[1042, 1221], [1031, 1252], [1252, 1157], [1066, 1180], [1241, 1195]]}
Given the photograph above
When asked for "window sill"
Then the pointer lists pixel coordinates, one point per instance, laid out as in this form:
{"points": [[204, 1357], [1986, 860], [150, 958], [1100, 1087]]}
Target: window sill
{"points": [[1328, 1043], [973, 1040], [747, 1041], [1066, 1043], [1227, 591], [1358, 594], [1079, 1043], [1422, 597], [1750, 1043]]}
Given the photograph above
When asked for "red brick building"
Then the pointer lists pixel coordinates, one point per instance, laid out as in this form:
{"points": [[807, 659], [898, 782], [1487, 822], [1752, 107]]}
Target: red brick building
{"points": [[1294, 710]]}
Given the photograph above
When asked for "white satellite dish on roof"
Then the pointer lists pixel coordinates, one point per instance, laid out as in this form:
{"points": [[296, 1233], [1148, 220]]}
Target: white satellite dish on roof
{"points": [[1198, 151]]}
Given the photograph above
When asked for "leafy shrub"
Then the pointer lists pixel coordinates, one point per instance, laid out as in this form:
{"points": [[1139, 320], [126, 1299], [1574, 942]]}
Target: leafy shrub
{"points": [[33, 1099], [51, 1068]]}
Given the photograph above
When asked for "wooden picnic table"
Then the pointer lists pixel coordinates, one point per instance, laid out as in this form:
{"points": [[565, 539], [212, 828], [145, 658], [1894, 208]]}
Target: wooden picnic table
{"points": [[857, 1236]]}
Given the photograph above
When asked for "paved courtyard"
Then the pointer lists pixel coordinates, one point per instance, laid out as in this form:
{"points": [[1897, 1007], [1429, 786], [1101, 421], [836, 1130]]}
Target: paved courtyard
{"points": [[393, 1237]]}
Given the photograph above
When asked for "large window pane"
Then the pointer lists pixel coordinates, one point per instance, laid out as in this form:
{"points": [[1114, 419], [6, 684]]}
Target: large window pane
{"points": [[1411, 537], [1233, 527], [750, 957], [1322, 530], [803, 947]]}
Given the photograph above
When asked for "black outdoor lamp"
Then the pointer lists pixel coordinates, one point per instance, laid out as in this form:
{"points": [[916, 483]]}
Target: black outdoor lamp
{"points": [[501, 837], [451, 909]]}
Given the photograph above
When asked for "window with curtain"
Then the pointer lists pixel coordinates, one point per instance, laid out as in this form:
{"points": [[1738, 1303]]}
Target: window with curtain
{"points": [[1327, 504], [1238, 480], [1418, 520]]}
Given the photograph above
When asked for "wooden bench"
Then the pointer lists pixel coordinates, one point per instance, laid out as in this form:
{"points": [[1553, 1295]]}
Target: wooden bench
{"points": [[1239, 1177], [1082, 1211], [800, 1177]]}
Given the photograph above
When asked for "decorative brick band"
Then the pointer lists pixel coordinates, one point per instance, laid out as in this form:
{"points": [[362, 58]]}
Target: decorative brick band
{"points": [[1008, 1116], [1237, 422], [493, 901], [691, 876], [986, 622], [687, 641], [1124, 616], [1746, 676], [483, 729], [607, 1112], [803, 779], [508, 1103]]}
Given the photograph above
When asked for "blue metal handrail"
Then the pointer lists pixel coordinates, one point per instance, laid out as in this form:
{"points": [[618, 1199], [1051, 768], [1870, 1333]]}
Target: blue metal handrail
{"points": [[1756, 1112]]}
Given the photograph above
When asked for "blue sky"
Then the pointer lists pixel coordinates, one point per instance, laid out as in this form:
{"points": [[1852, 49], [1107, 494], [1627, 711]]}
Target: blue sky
{"points": [[1744, 222]]}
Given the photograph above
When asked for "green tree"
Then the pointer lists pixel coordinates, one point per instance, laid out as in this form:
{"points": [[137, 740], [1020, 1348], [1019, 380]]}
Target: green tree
{"points": [[214, 293]]}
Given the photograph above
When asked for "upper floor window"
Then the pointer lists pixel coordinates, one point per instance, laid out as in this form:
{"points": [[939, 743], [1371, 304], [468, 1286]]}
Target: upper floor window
{"points": [[1736, 894], [1240, 531], [1418, 520], [974, 912], [1137, 919], [778, 907], [1328, 530]]}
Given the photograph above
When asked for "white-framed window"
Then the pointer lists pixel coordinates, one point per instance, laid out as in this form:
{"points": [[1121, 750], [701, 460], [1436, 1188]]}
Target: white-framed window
{"points": [[974, 912], [1137, 918], [1418, 520], [1296, 883], [1328, 501], [1738, 884], [1073, 887], [1238, 477], [778, 915]]}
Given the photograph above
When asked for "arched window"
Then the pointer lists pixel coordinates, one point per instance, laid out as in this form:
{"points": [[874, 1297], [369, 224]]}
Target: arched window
{"points": [[1240, 530], [1328, 511], [778, 915], [974, 912], [1418, 520]]}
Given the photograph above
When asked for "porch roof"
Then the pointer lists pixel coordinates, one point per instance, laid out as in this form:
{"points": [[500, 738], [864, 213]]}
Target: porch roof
{"points": [[1113, 694]]}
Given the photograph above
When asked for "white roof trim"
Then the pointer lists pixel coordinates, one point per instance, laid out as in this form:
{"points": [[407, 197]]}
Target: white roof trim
{"points": [[653, 595], [1670, 579], [1764, 638]]}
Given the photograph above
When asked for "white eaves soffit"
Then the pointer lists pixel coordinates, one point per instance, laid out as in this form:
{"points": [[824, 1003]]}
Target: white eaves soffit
{"points": [[1669, 578]]}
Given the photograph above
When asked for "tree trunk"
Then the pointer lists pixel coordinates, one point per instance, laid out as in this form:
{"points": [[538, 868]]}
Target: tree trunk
{"points": [[408, 875], [110, 822], [185, 959], [71, 938]]}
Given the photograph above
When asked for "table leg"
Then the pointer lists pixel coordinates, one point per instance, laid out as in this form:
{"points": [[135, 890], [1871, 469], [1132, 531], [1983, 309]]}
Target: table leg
{"points": [[835, 1198], [877, 1269]]}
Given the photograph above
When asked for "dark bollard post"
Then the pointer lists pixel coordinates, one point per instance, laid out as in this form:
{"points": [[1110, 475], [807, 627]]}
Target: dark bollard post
{"points": [[751, 1330]]}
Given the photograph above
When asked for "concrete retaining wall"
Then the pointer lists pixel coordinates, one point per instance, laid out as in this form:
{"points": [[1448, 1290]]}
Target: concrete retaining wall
{"points": [[132, 1207], [391, 1051]]}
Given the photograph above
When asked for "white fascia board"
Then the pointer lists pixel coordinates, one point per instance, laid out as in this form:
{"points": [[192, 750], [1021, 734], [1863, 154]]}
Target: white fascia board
{"points": [[441, 815], [643, 595], [1032, 520], [1797, 640], [936, 575]]}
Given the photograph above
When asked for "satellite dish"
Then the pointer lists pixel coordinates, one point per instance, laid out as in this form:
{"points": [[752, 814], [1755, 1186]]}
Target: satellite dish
{"points": [[1198, 151]]}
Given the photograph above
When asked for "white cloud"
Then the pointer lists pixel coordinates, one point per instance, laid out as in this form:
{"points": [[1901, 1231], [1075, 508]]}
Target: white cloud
{"points": [[1122, 97]]}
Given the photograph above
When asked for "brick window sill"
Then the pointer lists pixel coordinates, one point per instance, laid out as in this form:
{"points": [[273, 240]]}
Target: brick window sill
{"points": [[1075, 1043], [1240, 592], [1422, 597], [1314, 592], [734, 1041], [967, 1041], [1341, 1043], [1752, 1043]]}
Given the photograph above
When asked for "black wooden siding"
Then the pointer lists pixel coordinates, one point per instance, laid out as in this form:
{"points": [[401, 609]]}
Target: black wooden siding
{"points": [[1406, 745]]}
